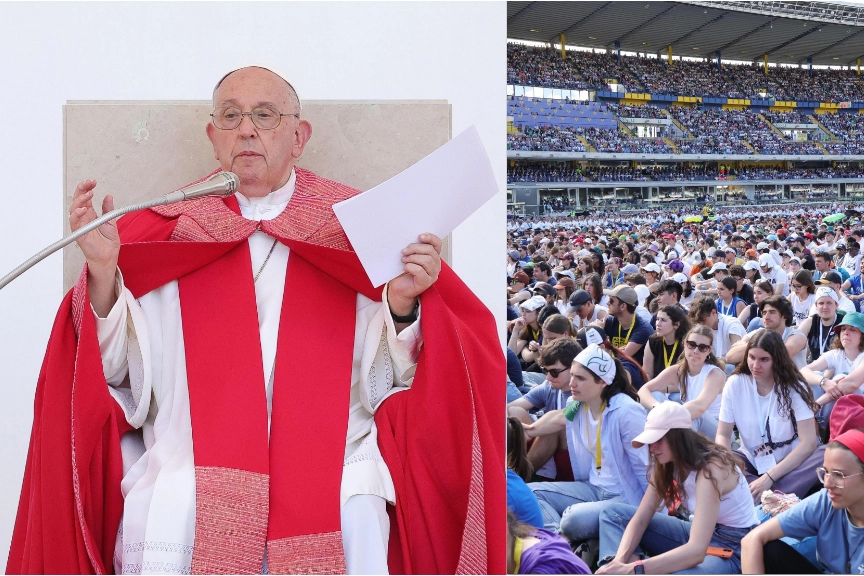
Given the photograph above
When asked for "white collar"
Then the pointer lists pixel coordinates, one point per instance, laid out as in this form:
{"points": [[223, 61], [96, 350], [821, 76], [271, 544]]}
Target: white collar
{"points": [[279, 196]]}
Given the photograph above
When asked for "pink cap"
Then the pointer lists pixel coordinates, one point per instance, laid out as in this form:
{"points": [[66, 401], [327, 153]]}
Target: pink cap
{"points": [[662, 418]]}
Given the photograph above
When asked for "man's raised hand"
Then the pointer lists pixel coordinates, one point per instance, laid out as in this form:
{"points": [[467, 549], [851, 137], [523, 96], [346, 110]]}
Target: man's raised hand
{"points": [[101, 247]]}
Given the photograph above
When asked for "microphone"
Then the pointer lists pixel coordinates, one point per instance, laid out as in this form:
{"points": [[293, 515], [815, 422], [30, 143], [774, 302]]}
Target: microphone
{"points": [[221, 184]]}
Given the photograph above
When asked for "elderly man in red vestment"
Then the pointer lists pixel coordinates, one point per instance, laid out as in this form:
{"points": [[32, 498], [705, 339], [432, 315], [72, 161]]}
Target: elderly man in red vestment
{"points": [[218, 426]]}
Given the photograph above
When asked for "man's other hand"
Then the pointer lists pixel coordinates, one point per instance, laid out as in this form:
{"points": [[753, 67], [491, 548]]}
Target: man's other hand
{"points": [[422, 261]]}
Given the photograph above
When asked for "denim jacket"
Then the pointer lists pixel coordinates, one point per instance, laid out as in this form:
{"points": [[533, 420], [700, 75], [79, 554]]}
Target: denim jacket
{"points": [[622, 420]]}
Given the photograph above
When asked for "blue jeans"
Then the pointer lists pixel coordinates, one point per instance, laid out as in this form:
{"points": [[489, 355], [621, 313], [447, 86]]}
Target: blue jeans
{"points": [[572, 508], [513, 393], [704, 424], [665, 533], [824, 413]]}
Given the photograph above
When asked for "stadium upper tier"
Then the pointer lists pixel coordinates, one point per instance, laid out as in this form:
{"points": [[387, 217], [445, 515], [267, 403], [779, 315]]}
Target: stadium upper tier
{"points": [[544, 67], [541, 125]]}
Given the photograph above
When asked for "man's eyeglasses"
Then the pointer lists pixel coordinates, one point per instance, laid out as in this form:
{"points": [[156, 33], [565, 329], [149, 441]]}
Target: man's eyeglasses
{"points": [[693, 346], [838, 478], [263, 117], [554, 372]]}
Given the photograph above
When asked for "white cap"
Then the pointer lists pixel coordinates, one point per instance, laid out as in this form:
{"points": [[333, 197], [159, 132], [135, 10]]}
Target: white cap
{"points": [[718, 266], [533, 303], [762, 246], [598, 361], [766, 260], [653, 267], [679, 277], [751, 265]]}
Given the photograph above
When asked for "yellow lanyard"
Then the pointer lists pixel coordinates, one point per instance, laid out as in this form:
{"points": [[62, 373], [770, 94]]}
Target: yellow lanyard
{"points": [[667, 360], [517, 554], [598, 456], [626, 338], [534, 335]]}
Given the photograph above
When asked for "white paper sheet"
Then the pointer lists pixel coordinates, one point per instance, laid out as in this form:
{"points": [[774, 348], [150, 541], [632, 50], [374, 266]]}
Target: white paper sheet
{"points": [[434, 195]]}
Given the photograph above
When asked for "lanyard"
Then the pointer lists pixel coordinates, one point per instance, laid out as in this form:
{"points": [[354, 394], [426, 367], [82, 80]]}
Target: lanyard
{"points": [[534, 335], [725, 310], [598, 455], [627, 338], [763, 422], [824, 343], [517, 554], [667, 360], [561, 402]]}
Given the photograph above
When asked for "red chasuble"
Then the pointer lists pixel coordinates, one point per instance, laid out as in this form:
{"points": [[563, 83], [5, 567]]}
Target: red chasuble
{"points": [[442, 440]]}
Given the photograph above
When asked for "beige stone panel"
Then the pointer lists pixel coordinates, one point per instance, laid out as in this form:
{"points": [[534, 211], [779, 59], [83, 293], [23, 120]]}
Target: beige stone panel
{"points": [[140, 150]]}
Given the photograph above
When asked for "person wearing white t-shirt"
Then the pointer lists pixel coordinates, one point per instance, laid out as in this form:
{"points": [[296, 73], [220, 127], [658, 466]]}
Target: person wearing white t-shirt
{"points": [[801, 296], [697, 377], [583, 311], [766, 398], [827, 374], [727, 330], [773, 274]]}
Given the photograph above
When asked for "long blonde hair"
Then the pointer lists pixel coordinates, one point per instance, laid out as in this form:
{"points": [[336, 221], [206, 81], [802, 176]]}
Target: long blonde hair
{"points": [[684, 366]]}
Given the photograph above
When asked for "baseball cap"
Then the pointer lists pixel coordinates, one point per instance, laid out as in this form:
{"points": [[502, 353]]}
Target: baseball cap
{"points": [[679, 277], [762, 246], [579, 298], [751, 265], [675, 265], [565, 283], [533, 303], [766, 260], [514, 254], [653, 267], [522, 277], [718, 266], [544, 288], [624, 293], [662, 418], [830, 277], [630, 269], [593, 335], [598, 361]]}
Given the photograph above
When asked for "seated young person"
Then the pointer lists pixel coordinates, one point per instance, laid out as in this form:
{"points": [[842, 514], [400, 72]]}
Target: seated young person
{"points": [[819, 327], [599, 428], [536, 551], [766, 398], [520, 500], [697, 377], [727, 331], [824, 374], [595, 335], [834, 515], [703, 482], [553, 394], [666, 344], [752, 313]]}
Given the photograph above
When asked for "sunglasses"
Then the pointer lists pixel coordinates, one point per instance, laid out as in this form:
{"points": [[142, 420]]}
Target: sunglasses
{"points": [[693, 346], [554, 372]]}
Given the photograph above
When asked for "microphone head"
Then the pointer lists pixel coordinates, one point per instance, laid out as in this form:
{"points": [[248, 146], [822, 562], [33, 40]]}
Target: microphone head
{"points": [[230, 181]]}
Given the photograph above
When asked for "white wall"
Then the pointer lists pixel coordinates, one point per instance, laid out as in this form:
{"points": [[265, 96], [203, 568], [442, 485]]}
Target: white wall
{"points": [[51, 53]]}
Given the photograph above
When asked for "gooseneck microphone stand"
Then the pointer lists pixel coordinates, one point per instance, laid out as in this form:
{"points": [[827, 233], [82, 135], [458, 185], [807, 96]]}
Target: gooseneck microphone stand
{"points": [[220, 184]]}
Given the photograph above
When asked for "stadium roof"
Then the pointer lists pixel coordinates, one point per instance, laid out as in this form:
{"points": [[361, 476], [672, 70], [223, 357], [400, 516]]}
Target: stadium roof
{"points": [[830, 33]]}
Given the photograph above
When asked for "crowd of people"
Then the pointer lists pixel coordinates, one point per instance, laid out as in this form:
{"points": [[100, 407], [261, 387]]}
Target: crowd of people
{"points": [[536, 66], [523, 171], [619, 141], [686, 396], [545, 139]]}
